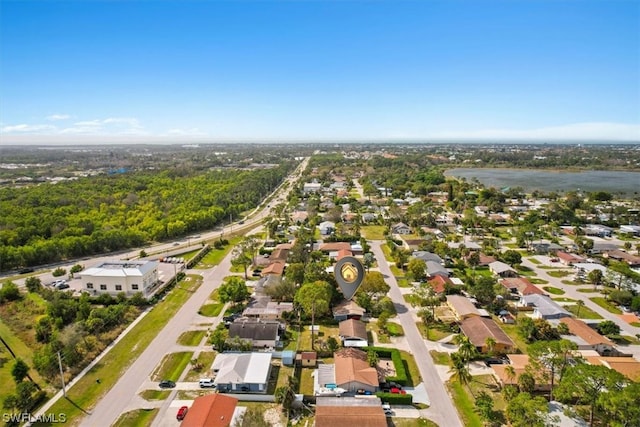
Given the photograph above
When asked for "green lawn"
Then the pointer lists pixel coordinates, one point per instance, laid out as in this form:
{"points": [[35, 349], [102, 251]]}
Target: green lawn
{"points": [[191, 337], [138, 418], [387, 252], [563, 299], [537, 281], [216, 255], [588, 290], [86, 392], [205, 360], [413, 373], [155, 394], [395, 329], [440, 358], [465, 405], [412, 422], [373, 232], [533, 260], [585, 312], [553, 290], [435, 333], [383, 338], [602, 302], [306, 381], [559, 273], [323, 334], [512, 331], [172, 366], [211, 310]]}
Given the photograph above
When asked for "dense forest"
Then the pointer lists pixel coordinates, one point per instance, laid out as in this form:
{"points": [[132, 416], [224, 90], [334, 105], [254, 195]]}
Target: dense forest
{"points": [[51, 222]]}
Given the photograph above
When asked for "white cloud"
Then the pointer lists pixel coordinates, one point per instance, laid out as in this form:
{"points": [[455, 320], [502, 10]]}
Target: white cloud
{"points": [[26, 128], [603, 131], [55, 117]]}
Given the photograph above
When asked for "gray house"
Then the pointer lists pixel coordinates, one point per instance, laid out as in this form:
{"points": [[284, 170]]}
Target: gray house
{"points": [[241, 372], [262, 334]]}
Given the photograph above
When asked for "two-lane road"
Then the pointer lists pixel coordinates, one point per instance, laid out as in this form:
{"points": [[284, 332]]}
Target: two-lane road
{"points": [[441, 409]]}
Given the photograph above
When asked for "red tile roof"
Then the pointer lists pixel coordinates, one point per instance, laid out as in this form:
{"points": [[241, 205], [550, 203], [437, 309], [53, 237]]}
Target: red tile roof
{"points": [[212, 410]]}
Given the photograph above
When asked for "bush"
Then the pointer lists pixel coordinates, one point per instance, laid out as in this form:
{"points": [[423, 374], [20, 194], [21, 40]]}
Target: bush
{"points": [[59, 272], [398, 363], [395, 399]]}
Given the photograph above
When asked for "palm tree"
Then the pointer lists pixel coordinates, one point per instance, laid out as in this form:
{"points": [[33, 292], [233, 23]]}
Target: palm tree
{"points": [[490, 343], [465, 348], [510, 372], [459, 370], [579, 305]]}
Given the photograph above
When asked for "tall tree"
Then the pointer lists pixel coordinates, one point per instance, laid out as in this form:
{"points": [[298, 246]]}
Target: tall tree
{"points": [[527, 411], [233, 290], [551, 359]]}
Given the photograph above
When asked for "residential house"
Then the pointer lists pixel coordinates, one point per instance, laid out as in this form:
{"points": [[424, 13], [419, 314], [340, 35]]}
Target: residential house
{"points": [[627, 366], [242, 372], [601, 247], [501, 269], [479, 329], [114, 277], [435, 269], [349, 411], [439, 284], [353, 371], [427, 256], [267, 310], [311, 187], [368, 217], [587, 338], [618, 255], [212, 410], [334, 247], [568, 259], [543, 307], [630, 229], [545, 247], [400, 228], [353, 333], [462, 307], [327, 227], [299, 217], [519, 364], [347, 309], [520, 286], [275, 268], [261, 334], [598, 230], [307, 359]]}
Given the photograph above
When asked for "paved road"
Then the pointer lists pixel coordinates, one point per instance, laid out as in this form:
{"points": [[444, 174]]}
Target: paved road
{"points": [[441, 409], [571, 291]]}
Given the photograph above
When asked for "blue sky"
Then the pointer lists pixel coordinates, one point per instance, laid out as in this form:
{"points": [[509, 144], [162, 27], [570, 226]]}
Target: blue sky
{"points": [[213, 70]]}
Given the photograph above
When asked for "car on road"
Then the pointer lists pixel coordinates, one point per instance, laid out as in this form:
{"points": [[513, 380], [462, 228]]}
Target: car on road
{"points": [[182, 412], [166, 384], [206, 383]]}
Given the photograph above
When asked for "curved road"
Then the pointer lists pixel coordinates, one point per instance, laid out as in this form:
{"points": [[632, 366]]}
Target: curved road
{"points": [[441, 409]]}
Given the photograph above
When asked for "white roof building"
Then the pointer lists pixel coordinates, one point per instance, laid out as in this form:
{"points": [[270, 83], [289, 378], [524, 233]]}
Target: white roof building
{"points": [[242, 371], [114, 277]]}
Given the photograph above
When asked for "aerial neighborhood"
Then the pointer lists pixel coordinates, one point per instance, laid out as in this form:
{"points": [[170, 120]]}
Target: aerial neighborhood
{"points": [[476, 306]]}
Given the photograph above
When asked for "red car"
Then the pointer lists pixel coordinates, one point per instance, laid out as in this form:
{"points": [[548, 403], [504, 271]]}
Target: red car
{"points": [[182, 412], [396, 390]]}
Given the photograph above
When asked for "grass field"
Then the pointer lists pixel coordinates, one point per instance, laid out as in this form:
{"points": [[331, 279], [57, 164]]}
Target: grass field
{"points": [[559, 273], [465, 405], [216, 255], [413, 373], [205, 359], [412, 422], [191, 337], [305, 381], [585, 312], [440, 358], [512, 331], [138, 418], [373, 232], [395, 329], [324, 333], [602, 302], [588, 290], [552, 290], [86, 392], [211, 310], [435, 333], [172, 366], [155, 394]]}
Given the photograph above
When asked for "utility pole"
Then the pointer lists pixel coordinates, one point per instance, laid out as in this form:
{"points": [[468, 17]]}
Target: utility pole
{"points": [[64, 391]]}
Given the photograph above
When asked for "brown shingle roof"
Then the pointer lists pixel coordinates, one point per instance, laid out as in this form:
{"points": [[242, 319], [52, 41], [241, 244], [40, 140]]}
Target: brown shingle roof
{"points": [[212, 410], [334, 246], [478, 329], [627, 366], [582, 330], [351, 365], [276, 268], [360, 416], [353, 328], [524, 286]]}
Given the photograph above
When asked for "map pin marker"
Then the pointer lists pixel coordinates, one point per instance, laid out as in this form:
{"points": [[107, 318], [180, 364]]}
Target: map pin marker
{"points": [[349, 274]]}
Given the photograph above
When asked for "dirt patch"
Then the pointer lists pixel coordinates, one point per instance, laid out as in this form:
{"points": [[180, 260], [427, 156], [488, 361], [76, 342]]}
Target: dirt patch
{"points": [[272, 416], [386, 368]]}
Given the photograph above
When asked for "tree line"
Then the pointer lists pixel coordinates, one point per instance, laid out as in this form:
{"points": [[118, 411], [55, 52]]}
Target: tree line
{"points": [[49, 223]]}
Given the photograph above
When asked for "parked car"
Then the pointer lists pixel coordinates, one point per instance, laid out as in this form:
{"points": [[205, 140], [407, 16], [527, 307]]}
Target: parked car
{"points": [[206, 383], [182, 412], [396, 390], [387, 409], [493, 361], [166, 384]]}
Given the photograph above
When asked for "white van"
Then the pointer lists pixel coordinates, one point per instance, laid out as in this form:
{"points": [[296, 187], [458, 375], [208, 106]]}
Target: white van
{"points": [[206, 383], [387, 409]]}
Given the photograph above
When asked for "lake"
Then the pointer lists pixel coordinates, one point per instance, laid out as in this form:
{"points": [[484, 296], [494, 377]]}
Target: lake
{"points": [[546, 180]]}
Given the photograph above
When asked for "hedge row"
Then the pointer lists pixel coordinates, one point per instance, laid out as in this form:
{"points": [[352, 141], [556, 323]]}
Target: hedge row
{"points": [[395, 399], [398, 364]]}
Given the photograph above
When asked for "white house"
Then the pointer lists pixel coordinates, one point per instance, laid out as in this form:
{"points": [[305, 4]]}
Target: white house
{"points": [[114, 277], [242, 372]]}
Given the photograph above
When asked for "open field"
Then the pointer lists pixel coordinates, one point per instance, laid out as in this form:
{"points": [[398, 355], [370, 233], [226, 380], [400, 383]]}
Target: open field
{"points": [[138, 418], [172, 366], [191, 338]]}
